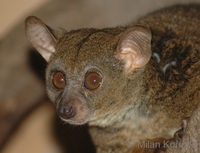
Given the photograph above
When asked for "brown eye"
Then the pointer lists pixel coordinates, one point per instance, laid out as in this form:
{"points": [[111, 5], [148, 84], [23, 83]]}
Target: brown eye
{"points": [[58, 80], [92, 80]]}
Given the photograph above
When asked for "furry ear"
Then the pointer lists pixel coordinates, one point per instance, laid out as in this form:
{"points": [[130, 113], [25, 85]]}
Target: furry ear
{"points": [[134, 48], [41, 36]]}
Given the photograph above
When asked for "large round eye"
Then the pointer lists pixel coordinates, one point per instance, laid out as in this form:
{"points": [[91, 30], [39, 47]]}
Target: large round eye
{"points": [[92, 80], [58, 80]]}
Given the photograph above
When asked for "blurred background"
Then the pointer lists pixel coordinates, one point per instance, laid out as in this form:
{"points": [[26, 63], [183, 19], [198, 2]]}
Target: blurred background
{"points": [[11, 12], [28, 122]]}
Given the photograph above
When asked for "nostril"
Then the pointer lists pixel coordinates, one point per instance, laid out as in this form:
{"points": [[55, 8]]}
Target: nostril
{"points": [[66, 111]]}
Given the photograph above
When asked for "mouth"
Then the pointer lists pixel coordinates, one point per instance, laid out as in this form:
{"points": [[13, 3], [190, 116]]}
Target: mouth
{"points": [[73, 121]]}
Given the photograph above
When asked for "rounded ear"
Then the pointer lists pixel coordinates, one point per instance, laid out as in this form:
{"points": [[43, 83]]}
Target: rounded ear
{"points": [[40, 36], [134, 48]]}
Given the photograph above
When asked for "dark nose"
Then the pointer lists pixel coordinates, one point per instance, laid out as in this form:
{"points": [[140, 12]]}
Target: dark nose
{"points": [[66, 111]]}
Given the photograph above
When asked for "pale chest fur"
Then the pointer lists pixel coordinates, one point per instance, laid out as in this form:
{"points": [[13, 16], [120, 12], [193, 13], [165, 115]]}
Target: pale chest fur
{"points": [[130, 129]]}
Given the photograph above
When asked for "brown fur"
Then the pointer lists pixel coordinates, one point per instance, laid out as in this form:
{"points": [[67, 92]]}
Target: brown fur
{"points": [[190, 141], [150, 102]]}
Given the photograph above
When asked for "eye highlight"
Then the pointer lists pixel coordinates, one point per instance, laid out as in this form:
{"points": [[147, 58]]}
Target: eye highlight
{"points": [[58, 80], [92, 80]]}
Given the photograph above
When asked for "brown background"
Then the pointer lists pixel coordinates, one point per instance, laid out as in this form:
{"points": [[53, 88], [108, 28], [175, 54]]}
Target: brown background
{"points": [[12, 11]]}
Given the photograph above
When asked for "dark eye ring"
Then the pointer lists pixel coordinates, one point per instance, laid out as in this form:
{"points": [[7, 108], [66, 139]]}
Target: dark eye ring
{"points": [[92, 80], [58, 80]]}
